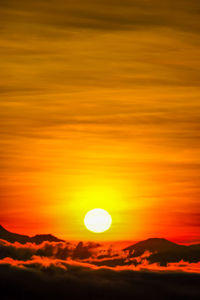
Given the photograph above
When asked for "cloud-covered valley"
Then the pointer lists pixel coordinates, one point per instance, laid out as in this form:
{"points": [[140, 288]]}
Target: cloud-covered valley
{"points": [[45, 277], [46, 267]]}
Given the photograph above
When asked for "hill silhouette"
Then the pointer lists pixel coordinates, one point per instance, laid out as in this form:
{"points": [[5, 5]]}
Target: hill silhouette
{"points": [[23, 239], [164, 251], [160, 250], [152, 244]]}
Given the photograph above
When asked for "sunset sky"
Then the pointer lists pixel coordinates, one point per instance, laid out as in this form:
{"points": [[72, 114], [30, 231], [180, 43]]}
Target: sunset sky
{"points": [[100, 108]]}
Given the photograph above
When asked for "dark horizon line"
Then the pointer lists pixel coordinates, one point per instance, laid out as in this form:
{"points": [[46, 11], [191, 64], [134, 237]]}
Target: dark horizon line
{"points": [[100, 242]]}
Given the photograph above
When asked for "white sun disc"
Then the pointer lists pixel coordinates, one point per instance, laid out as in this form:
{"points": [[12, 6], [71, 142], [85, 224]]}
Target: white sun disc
{"points": [[98, 220]]}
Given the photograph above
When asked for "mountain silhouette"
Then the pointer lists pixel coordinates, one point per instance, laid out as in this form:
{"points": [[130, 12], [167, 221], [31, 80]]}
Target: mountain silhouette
{"points": [[13, 237], [164, 251], [161, 250], [23, 239], [40, 238], [152, 245]]}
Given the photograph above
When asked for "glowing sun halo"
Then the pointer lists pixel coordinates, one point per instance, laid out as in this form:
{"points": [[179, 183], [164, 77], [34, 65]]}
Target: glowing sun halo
{"points": [[97, 220]]}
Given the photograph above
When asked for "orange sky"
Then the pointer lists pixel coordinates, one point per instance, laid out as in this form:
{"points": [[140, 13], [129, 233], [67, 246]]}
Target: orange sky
{"points": [[100, 108]]}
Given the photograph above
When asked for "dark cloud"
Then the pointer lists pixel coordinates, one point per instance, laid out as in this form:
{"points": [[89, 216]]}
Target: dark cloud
{"points": [[57, 250], [45, 279], [59, 270], [152, 253], [109, 15]]}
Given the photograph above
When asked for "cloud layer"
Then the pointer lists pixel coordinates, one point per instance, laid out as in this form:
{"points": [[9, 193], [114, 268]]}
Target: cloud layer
{"points": [[97, 256], [92, 270], [50, 278]]}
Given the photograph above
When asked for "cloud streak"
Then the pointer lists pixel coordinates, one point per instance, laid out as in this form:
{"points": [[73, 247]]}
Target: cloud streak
{"points": [[106, 15]]}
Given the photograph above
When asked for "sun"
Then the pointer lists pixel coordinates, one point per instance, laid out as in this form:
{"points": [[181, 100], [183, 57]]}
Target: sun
{"points": [[97, 220]]}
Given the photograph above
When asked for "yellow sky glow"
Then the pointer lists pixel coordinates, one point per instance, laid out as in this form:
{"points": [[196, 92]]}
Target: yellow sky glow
{"points": [[100, 108]]}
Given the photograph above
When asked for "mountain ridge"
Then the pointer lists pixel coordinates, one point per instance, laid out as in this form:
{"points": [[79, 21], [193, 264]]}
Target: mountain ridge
{"points": [[151, 244], [23, 239], [160, 250], [163, 251]]}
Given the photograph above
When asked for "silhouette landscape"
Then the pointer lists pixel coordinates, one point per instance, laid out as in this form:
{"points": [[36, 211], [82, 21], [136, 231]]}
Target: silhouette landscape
{"points": [[100, 150], [47, 266]]}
